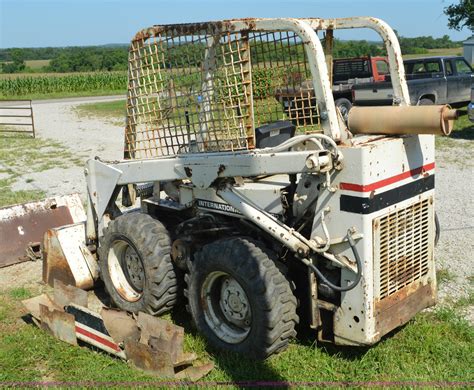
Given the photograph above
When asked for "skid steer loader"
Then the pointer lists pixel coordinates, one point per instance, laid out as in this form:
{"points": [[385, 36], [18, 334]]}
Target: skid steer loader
{"points": [[266, 216]]}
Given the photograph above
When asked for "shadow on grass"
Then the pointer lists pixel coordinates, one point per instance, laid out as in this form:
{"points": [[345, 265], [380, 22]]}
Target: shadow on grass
{"points": [[348, 353], [242, 371]]}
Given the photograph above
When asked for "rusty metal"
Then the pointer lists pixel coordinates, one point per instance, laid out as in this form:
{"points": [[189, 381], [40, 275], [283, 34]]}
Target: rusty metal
{"points": [[161, 335], [91, 329], [34, 251], [328, 47], [402, 247], [120, 325], [64, 294], [23, 224], [149, 360], [399, 120], [67, 258], [151, 344], [32, 305], [163, 331], [185, 359], [400, 307], [60, 324], [195, 373], [14, 115]]}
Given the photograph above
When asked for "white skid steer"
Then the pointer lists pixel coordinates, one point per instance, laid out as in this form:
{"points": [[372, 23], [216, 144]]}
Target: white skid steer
{"points": [[265, 213]]}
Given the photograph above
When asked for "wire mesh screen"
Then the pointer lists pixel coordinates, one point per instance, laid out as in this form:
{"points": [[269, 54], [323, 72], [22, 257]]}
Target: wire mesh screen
{"points": [[197, 88]]}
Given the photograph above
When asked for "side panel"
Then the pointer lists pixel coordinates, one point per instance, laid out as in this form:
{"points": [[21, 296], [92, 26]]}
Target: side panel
{"points": [[386, 192]]}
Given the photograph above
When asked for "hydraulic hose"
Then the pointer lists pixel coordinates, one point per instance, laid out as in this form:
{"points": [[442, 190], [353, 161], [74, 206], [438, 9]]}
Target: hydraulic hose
{"points": [[320, 275]]}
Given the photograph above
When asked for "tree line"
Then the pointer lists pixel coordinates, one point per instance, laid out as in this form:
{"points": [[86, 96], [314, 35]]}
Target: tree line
{"points": [[113, 58]]}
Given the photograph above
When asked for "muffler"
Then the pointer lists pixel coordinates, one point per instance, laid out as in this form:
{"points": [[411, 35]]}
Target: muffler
{"points": [[399, 120]]}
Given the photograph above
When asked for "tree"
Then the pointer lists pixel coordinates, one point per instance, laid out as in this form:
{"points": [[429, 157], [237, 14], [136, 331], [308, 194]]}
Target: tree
{"points": [[461, 15], [17, 64]]}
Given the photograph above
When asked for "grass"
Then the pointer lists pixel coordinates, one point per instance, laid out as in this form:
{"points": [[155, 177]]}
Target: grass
{"points": [[36, 64], [463, 130], [455, 51], [21, 155], [443, 275], [63, 95], [434, 346], [115, 110]]}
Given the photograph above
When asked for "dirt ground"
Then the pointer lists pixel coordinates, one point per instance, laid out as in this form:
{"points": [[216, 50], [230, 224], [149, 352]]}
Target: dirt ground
{"points": [[84, 137], [89, 137]]}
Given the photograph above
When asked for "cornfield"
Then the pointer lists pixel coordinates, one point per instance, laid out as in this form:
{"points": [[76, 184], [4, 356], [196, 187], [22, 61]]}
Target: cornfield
{"points": [[44, 84]]}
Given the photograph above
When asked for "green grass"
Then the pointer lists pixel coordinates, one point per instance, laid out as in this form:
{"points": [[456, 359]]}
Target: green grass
{"points": [[456, 51], [20, 293], [63, 95], [114, 110], [21, 155], [443, 275], [9, 197], [463, 130], [434, 346]]}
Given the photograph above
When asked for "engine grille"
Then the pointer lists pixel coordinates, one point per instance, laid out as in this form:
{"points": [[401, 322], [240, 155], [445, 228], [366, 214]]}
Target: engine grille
{"points": [[402, 242]]}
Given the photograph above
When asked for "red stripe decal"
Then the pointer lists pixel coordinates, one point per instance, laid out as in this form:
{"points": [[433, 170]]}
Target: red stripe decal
{"points": [[386, 182], [99, 339]]}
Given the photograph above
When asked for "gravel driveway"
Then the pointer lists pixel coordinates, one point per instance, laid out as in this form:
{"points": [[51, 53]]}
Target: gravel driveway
{"points": [[87, 137], [84, 137]]}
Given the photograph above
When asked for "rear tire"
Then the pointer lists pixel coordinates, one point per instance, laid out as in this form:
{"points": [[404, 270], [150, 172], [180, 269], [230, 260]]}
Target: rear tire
{"points": [[239, 299], [135, 264]]}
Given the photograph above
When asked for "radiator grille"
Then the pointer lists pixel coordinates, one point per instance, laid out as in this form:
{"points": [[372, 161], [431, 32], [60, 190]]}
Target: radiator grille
{"points": [[403, 247]]}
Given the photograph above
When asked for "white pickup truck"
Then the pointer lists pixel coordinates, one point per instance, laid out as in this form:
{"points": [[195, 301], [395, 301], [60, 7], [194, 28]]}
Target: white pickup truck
{"points": [[433, 80]]}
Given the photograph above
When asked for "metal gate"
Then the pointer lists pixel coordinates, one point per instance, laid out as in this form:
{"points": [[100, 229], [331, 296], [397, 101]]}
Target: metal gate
{"points": [[16, 116]]}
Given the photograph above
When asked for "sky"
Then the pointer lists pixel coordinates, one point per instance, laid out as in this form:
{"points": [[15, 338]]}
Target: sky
{"points": [[41, 23]]}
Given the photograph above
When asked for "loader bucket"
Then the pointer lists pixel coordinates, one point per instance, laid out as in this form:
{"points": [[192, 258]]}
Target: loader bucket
{"points": [[23, 226]]}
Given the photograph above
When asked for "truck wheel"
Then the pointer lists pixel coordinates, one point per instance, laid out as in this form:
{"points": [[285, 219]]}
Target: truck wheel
{"points": [[239, 300], [344, 106], [135, 264]]}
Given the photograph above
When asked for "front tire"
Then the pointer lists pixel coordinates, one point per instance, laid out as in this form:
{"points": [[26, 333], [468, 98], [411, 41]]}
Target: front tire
{"points": [[135, 264], [239, 299]]}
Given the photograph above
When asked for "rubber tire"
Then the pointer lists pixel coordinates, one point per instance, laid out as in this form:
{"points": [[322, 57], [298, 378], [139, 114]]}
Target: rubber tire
{"points": [[152, 243], [425, 102], [345, 104], [272, 302]]}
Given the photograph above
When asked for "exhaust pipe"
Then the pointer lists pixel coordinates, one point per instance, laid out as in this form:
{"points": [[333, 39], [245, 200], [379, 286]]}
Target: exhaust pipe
{"points": [[399, 120]]}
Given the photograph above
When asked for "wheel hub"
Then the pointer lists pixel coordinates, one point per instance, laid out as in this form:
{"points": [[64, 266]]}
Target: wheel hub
{"points": [[234, 302], [134, 267], [126, 270], [227, 308]]}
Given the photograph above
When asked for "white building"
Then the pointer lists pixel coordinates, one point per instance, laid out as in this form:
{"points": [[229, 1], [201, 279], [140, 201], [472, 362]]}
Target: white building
{"points": [[469, 50]]}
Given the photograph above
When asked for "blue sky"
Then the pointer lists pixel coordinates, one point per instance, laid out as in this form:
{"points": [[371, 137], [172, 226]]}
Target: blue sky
{"points": [[38, 23]]}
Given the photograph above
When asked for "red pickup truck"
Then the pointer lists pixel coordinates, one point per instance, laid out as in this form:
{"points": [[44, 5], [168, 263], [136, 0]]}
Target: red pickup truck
{"points": [[346, 72]]}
